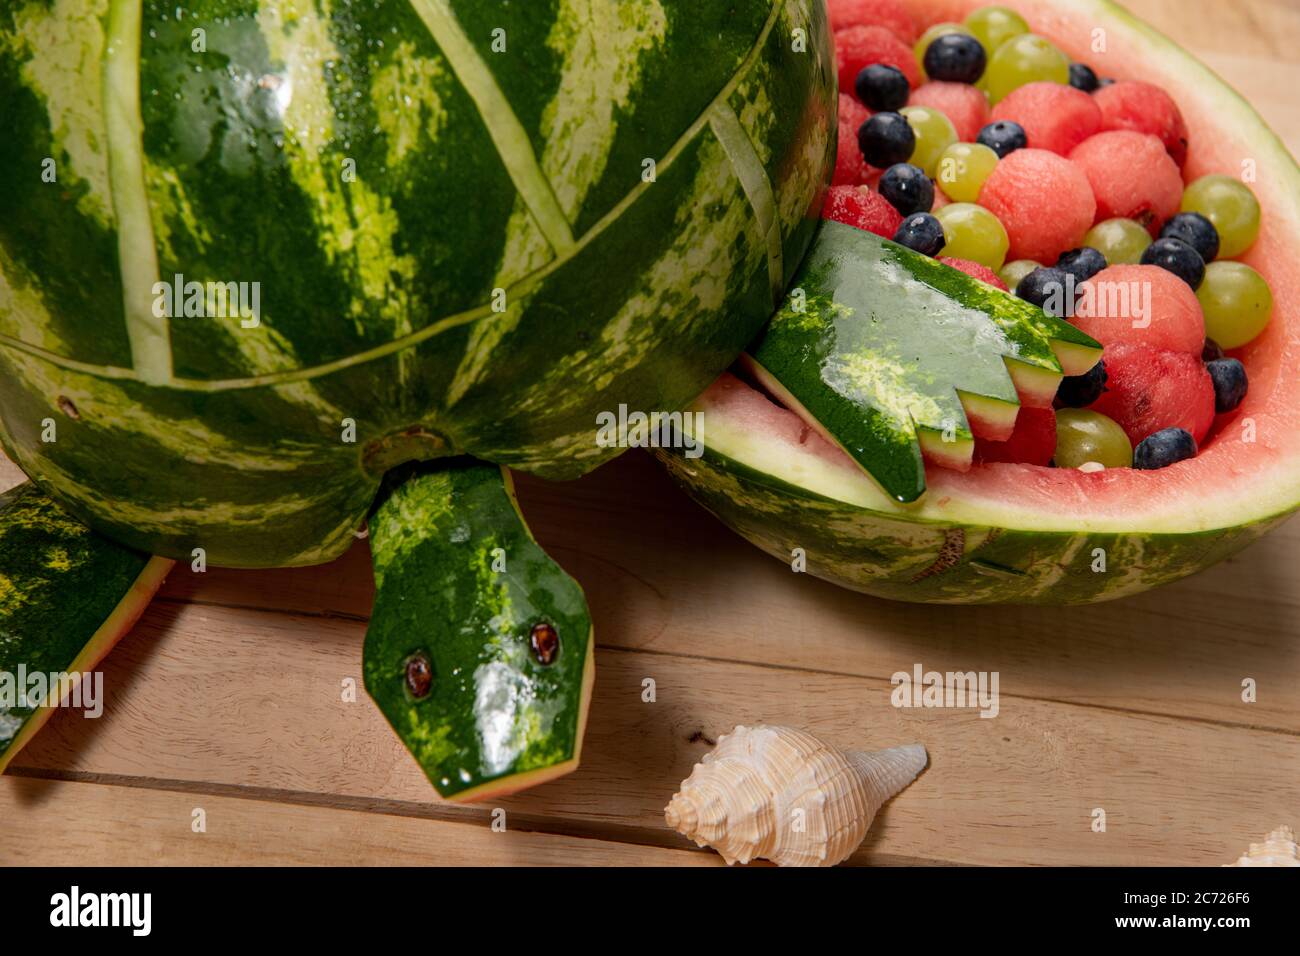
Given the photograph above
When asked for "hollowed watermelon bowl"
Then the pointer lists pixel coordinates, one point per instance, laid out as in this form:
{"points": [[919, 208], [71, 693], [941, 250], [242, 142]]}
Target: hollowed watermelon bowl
{"points": [[1024, 533]]}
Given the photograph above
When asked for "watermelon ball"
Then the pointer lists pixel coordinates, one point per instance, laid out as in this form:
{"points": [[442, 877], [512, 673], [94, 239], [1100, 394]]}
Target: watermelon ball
{"points": [[1229, 378], [1164, 448], [1141, 305], [1043, 200], [1231, 206], [1083, 78], [975, 270], [1237, 303], [963, 168], [1211, 350], [850, 168], [1195, 230], [1032, 442], [1076, 391], [965, 106], [886, 139], [1017, 269], [1003, 137], [954, 58], [920, 232], [934, 133], [1082, 263], [1149, 389], [890, 14], [882, 87], [1083, 436], [907, 188], [1177, 257], [1119, 240], [1052, 290], [1053, 116], [860, 46], [1132, 177], [860, 207], [972, 232], [1144, 108]]}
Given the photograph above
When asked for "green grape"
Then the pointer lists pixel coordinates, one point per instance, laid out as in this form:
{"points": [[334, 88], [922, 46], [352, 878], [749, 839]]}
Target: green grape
{"points": [[934, 133], [938, 30], [1236, 301], [1121, 241], [1083, 435], [1025, 59], [1231, 206], [1014, 271], [993, 26], [972, 232], [962, 169]]}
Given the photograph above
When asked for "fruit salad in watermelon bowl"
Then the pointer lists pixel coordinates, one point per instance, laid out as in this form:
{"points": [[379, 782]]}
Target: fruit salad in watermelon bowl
{"points": [[1044, 348]]}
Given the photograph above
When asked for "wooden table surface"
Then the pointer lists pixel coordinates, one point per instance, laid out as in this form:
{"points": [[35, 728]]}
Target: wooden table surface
{"points": [[227, 696]]}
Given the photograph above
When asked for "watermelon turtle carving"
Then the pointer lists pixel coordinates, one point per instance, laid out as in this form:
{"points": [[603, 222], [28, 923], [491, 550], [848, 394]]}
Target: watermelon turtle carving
{"points": [[274, 269]]}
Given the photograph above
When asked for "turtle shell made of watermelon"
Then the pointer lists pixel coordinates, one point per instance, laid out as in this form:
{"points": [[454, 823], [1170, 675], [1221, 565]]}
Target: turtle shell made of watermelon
{"points": [[256, 253]]}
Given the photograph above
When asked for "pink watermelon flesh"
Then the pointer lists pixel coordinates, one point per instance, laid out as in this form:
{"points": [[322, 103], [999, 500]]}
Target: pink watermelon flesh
{"points": [[977, 270], [1132, 177], [965, 106], [1055, 117], [860, 207], [1141, 305], [1044, 202], [1033, 441], [850, 168], [890, 14], [1147, 390], [861, 46], [1144, 108]]}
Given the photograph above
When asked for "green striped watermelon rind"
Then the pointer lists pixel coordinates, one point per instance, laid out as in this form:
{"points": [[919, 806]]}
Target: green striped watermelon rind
{"points": [[886, 350], [908, 559], [67, 596], [241, 451]]}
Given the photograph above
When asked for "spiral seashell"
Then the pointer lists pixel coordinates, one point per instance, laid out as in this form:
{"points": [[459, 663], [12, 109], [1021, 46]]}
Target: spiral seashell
{"points": [[1278, 849], [780, 794]]}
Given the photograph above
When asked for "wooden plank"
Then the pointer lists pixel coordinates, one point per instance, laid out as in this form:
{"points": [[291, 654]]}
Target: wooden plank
{"points": [[661, 574], [99, 825], [206, 697]]}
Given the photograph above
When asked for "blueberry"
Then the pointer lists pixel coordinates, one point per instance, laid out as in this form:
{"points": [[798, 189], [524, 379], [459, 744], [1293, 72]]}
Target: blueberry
{"points": [[1078, 391], [1163, 448], [1048, 288], [907, 188], [882, 87], [955, 58], [885, 139], [1082, 77], [1177, 257], [1003, 137], [922, 232], [1229, 378], [1195, 230], [1082, 263], [1211, 350]]}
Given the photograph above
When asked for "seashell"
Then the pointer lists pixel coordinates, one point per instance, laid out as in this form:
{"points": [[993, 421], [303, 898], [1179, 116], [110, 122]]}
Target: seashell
{"points": [[1278, 849], [780, 794]]}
